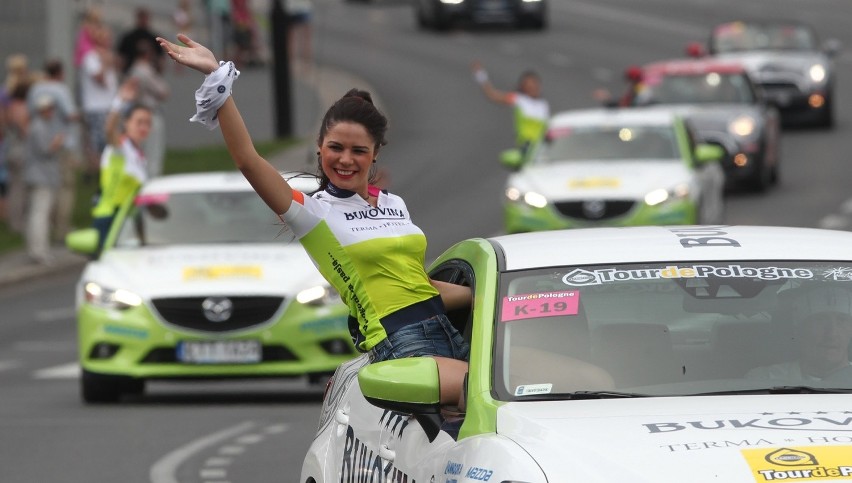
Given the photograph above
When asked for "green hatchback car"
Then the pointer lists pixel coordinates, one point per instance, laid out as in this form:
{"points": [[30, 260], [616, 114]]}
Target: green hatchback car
{"points": [[199, 279], [614, 167]]}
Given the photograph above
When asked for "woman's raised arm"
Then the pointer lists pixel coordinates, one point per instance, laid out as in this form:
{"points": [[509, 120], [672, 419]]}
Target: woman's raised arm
{"points": [[263, 177]]}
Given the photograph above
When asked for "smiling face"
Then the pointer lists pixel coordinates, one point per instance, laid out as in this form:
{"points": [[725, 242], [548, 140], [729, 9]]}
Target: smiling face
{"points": [[347, 152]]}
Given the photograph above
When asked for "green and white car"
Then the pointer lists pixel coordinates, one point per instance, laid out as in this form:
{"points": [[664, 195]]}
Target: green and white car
{"points": [[614, 167], [199, 279], [639, 354]]}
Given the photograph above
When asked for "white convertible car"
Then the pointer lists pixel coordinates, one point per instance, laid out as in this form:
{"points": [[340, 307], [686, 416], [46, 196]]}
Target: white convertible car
{"points": [[642, 354]]}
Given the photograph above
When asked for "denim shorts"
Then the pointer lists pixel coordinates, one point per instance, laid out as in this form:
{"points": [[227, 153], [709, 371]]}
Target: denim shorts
{"points": [[434, 336]]}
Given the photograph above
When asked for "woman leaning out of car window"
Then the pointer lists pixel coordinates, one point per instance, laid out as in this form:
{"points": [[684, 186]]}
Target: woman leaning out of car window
{"points": [[361, 238]]}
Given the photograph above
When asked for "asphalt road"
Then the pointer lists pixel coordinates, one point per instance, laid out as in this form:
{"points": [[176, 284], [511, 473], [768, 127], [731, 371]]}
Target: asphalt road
{"points": [[444, 140]]}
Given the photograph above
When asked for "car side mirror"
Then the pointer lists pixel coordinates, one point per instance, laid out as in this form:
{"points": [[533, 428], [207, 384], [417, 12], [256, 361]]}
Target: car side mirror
{"points": [[410, 385], [512, 159], [708, 153], [83, 241]]}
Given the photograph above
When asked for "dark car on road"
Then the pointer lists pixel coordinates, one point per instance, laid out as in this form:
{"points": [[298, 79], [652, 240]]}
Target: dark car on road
{"points": [[443, 14], [787, 59], [725, 107]]}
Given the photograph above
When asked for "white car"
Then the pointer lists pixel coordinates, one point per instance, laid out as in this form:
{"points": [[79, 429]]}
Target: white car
{"points": [[199, 279], [641, 354], [615, 167]]}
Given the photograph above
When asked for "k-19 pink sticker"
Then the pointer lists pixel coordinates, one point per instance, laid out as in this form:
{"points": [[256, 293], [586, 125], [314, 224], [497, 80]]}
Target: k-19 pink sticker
{"points": [[545, 304]]}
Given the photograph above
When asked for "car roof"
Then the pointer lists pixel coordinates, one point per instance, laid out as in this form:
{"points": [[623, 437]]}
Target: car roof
{"points": [[218, 181], [590, 246], [645, 116], [704, 65]]}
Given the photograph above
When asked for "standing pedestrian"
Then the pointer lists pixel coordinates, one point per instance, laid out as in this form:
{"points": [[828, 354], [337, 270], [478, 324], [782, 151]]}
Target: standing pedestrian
{"points": [[128, 44], [153, 90], [98, 87], [14, 144], [68, 116], [531, 110], [42, 173], [299, 13]]}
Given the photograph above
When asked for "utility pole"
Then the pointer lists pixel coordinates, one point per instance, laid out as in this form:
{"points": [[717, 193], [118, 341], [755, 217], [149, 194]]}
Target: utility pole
{"points": [[281, 71]]}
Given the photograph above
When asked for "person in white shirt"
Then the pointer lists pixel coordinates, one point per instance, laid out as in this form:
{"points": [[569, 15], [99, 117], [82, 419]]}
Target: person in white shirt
{"points": [[98, 87], [823, 332]]}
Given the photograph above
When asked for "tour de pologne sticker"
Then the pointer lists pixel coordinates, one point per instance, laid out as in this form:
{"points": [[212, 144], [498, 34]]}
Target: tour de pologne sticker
{"points": [[543, 304]]}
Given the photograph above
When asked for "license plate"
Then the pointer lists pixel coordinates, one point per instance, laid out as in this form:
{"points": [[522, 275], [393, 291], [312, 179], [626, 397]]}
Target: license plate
{"points": [[219, 352]]}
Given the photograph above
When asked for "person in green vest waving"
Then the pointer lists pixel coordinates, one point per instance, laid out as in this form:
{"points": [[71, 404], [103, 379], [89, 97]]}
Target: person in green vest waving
{"points": [[122, 168], [531, 110]]}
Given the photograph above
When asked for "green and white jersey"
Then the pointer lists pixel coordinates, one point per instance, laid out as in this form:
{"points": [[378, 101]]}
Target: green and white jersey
{"points": [[373, 256], [531, 115]]}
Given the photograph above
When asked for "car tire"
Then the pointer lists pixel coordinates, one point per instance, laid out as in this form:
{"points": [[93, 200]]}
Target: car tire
{"points": [[827, 115], [761, 178], [100, 388]]}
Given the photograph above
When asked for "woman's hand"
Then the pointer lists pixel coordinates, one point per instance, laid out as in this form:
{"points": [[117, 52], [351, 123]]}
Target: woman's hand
{"points": [[128, 90], [191, 54]]}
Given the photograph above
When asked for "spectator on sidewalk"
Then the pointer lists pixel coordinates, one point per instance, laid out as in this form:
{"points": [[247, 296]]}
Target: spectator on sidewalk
{"points": [[86, 35], [128, 45], [67, 116], [43, 176], [152, 91], [299, 32], [219, 19], [98, 87], [14, 144]]}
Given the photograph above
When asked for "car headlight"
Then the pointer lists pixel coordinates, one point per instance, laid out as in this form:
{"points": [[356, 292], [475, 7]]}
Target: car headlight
{"points": [[530, 197], [661, 195], [119, 299], [817, 73], [742, 126], [452, 2], [317, 295]]}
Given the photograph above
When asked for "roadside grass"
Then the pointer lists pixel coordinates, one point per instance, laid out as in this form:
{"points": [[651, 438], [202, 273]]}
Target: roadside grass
{"points": [[194, 160]]}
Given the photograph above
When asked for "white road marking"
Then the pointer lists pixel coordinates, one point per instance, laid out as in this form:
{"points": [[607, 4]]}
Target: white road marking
{"points": [[43, 346], [232, 450], [7, 365], [250, 439], [276, 429], [218, 461], [55, 315], [163, 470], [212, 473], [834, 222], [64, 371]]}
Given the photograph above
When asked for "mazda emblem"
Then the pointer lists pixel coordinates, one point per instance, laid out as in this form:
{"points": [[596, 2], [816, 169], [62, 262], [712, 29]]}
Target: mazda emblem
{"points": [[217, 309], [594, 209]]}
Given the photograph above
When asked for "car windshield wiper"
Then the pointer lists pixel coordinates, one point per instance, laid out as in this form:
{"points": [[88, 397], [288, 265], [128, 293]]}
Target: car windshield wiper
{"points": [[580, 395], [781, 390], [602, 395]]}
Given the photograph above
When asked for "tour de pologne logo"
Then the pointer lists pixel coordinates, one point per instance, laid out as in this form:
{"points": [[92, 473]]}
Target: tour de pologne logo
{"points": [[791, 457], [580, 277]]}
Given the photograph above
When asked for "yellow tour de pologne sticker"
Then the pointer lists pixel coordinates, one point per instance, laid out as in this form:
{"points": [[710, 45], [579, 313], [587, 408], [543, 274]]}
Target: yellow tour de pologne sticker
{"points": [[594, 182], [806, 463], [222, 271]]}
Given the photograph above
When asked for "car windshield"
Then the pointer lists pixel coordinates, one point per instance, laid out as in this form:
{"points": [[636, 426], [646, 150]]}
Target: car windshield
{"points": [[738, 37], [705, 88], [668, 329], [158, 219], [611, 142]]}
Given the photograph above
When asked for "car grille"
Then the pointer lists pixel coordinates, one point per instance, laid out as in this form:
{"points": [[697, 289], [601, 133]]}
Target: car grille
{"points": [[580, 209], [245, 312], [780, 87]]}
